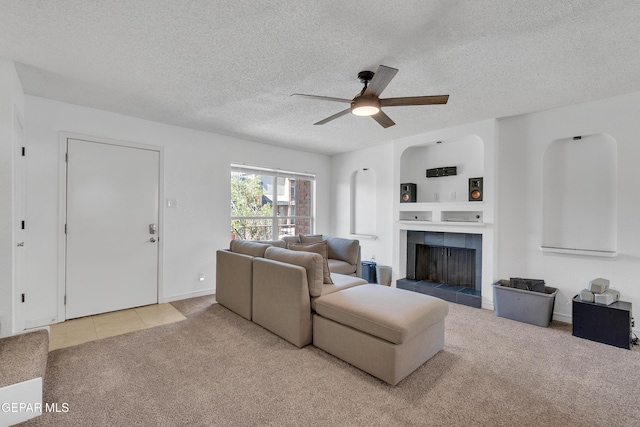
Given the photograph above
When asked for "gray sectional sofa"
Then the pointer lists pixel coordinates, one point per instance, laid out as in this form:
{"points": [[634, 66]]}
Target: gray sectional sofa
{"points": [[308, 290]]}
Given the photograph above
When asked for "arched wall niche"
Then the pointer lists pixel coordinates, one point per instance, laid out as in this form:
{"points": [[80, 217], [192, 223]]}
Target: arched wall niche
{"points": [[363, 202], [466, 153], [579, 195]]}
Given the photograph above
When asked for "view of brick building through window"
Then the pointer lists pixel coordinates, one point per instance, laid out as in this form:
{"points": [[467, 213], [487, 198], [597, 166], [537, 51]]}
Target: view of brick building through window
{"points": [[303, 203]]}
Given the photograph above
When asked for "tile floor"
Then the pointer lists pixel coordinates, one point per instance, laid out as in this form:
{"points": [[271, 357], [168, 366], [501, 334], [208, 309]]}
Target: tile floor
{"points": [[85, 329]]}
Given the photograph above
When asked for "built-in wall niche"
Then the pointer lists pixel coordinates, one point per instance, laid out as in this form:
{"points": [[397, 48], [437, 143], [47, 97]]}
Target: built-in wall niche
{"points": [[579, 196], [466, 154], [363, 202]]}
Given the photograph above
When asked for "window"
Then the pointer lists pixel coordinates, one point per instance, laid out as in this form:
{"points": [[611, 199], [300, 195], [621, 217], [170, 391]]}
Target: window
{"points": [[269, 204]]}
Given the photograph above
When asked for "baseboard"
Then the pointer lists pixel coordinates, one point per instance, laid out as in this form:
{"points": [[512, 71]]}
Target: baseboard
{"points": [[487, 305], [178, 297], [565, 318], [39, 323]]}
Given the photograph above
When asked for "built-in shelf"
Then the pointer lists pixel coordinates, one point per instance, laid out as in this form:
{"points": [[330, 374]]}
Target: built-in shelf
{"points": [[415, 216], [453, 213], [364, 236], [461, 216], [587, 252], [441, 206], [443, 223]]}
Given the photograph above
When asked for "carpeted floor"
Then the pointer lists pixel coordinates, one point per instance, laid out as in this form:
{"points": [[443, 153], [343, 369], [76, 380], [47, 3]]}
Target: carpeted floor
{"points": [[216, 368]]}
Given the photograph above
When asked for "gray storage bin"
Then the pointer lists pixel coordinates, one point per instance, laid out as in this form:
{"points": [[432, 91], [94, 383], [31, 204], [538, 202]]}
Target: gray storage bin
{"points": [[531, 307], [383, 273]]}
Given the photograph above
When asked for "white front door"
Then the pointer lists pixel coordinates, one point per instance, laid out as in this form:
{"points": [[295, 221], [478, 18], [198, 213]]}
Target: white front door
{"points": [[112, 208]]}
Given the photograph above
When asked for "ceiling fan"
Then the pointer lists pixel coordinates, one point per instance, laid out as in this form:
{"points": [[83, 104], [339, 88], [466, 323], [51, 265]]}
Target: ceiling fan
{"points": [[368, 101]]}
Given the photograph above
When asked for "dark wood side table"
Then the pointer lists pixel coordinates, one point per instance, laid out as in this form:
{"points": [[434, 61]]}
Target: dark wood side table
{"points": [[607, 324]]}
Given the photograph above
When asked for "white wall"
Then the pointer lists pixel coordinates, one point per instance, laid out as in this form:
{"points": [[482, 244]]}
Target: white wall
{"points": [[522, 142], [377, 159], [11, 103], [196, 173]]}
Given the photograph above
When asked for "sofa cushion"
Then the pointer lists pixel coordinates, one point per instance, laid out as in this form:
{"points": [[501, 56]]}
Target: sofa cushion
{"points": [[277, 243], [393, 314], [291, 239], [342, 267], [344, 249], [248, 247], [312, 263], [319, 248], [340, 282], [311, 238]]}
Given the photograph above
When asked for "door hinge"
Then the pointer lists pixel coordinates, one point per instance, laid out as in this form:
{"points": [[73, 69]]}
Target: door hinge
{"points": [[23, 298], [22, 224], [65, 300], [24, 149], [65, 229], [66, 157]]}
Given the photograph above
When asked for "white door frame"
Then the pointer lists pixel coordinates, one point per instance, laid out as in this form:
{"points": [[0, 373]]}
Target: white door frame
{"points": [[19, 214], [62, 210]]}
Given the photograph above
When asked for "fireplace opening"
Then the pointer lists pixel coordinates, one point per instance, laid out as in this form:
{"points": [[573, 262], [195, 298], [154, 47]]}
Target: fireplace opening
{"points": [[447, 265]]}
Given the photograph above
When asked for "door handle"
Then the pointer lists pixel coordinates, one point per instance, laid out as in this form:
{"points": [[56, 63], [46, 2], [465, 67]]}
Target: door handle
{"points": [[153, 228], [152, 240]]}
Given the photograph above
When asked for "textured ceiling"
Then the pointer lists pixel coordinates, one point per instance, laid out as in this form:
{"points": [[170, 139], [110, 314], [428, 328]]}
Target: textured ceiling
{"points": [[230, 66]]}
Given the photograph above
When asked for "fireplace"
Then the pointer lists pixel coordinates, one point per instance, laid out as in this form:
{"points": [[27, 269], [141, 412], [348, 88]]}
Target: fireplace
{"points": [[446, 265]]}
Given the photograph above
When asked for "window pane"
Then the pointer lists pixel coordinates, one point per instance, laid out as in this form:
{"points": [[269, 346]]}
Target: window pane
{"points": [[286, 227], [251, 195], [283, 184], [293, 226], [252, 229], [303, 202]]}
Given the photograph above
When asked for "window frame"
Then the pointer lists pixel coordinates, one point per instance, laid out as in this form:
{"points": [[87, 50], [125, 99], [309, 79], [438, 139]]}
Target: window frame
{"points": [[275, 218]]}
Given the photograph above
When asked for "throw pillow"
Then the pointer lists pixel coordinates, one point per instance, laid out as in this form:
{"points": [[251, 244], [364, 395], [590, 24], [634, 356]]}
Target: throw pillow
{"points": [[318, 248], [313, 238]]}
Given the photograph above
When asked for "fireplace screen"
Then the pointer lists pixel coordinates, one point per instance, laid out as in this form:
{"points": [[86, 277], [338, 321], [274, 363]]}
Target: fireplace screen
{"points": [[447, 265]]}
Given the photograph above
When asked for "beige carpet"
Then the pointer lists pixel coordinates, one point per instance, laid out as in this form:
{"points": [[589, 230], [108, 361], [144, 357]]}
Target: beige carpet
{"points": [[218, 369]]}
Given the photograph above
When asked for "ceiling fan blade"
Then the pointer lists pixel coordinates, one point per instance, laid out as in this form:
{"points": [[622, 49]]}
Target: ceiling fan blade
{"points": [[381, 79], [335, 116], [414, 100], [384, 120], [324, 98]]}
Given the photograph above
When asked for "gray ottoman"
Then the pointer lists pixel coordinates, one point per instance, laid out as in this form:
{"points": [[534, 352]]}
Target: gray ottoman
{"points": [[387, 332]]}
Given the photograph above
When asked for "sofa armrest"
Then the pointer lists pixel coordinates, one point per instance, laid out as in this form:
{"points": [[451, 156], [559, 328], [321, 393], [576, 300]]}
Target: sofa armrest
{"points": [[347, 250], [234, 281], [281, 300]]}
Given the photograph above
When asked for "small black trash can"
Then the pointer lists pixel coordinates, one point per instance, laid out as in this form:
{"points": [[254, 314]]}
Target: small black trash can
{"points": [[368, 272]]}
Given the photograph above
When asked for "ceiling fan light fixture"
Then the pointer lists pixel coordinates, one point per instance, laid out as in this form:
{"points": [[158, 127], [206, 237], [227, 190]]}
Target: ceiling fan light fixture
{"points": [[365, 106]]}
